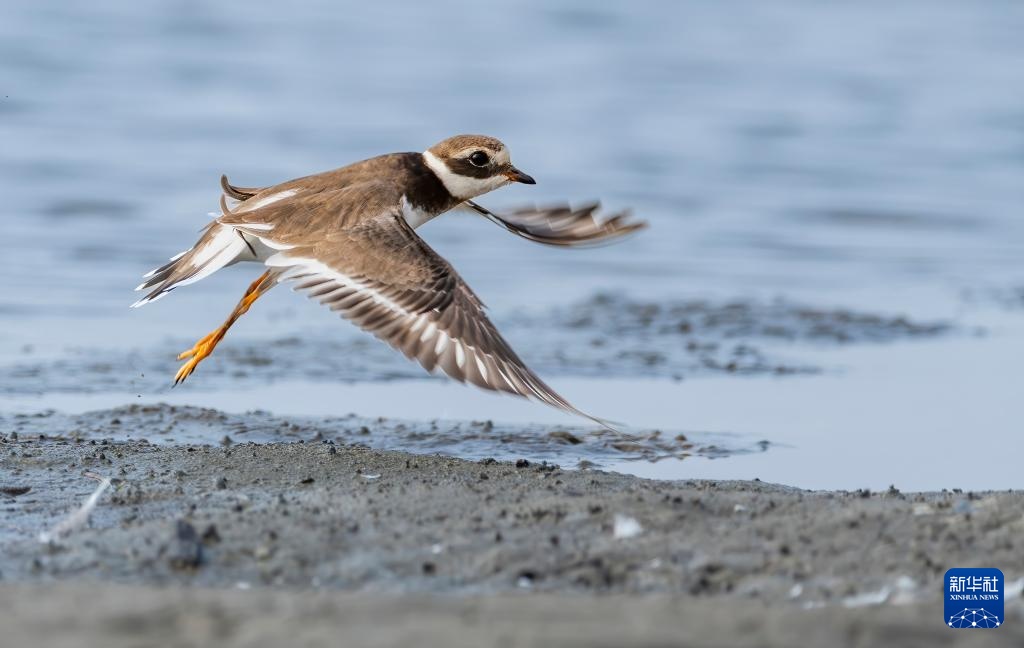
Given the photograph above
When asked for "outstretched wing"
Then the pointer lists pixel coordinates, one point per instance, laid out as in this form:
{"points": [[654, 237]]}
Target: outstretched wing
{"points": [[385, 279], [561, 225]]}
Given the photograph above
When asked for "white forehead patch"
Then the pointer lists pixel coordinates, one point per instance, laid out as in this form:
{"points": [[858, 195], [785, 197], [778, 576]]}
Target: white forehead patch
{"points": [[460, 186]]}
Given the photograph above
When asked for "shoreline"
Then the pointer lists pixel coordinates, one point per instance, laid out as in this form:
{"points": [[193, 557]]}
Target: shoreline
{"points": [[387, 514], [314, 533]]}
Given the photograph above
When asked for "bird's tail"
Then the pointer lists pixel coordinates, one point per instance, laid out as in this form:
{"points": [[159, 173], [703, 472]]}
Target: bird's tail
{"points": [[218, 246]]}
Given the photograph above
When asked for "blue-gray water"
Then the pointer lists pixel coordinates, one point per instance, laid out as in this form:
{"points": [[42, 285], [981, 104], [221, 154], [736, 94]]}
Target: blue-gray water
{"points": [[866, 156]]}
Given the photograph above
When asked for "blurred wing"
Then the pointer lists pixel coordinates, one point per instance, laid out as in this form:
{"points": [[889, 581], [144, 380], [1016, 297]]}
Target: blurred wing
{"points": [[562, 225], [385, 279]]}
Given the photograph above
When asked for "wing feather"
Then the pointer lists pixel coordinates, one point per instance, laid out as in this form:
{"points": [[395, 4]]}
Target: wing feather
{"points": [[385, 279], [563, 226]]}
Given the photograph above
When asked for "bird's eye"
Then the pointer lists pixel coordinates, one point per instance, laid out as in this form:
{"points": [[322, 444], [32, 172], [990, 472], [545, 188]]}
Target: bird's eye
{"points": [[479, 158]]}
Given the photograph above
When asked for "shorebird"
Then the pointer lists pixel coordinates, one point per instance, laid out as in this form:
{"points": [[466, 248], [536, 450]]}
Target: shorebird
{"points": [[346, 238]]}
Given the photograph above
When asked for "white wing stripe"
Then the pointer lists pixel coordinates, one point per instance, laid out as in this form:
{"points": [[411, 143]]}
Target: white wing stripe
{"points": [[252, 205], [442, 343], [273, 245], [416, 325], [428, 332], [299, 266]]}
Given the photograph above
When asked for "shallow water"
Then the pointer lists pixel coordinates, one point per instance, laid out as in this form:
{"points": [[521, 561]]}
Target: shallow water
{"points": [[866, 157], [913, 416]]}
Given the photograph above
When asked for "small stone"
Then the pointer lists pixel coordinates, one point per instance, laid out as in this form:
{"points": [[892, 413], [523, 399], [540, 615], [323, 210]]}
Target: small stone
{"points": [[186, 549], [565, 437], [211, 535]]}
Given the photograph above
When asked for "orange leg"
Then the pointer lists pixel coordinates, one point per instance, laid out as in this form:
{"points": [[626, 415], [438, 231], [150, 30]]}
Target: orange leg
{"points": [[204, 347]]}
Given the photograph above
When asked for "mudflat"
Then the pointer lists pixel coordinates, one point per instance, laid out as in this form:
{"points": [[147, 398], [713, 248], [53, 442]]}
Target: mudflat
{"points": [[315, 540]]}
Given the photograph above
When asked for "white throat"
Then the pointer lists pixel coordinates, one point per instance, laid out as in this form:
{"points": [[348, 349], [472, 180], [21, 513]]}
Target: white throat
{"points": [[460, 186]]}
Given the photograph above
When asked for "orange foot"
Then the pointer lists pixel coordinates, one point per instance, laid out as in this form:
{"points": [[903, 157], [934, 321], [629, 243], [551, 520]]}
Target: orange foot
{"points": [[199, 351]]}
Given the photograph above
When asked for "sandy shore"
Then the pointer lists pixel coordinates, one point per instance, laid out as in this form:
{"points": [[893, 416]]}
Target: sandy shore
{"points": [[194, 535], [114, 616]]}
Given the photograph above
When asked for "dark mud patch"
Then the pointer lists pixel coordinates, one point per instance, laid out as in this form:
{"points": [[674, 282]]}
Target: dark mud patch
{"points": [[316, 515], [318, 357], [605, 336], [677, 338], [779, 319], [182, 425]]}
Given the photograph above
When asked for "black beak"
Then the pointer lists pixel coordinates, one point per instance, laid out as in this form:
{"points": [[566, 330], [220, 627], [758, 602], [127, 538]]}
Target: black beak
{"points": [[515, 175]]}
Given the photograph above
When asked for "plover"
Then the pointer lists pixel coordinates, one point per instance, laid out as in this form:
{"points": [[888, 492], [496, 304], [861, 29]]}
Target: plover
{"points": [[346, 238]]}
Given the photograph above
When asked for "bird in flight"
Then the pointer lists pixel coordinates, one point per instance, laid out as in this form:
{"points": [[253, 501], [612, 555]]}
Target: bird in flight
{"points": [[346, 238]]}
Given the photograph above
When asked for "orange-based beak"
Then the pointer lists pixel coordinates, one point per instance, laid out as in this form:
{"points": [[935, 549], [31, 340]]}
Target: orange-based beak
{"points": [[515, 175]]}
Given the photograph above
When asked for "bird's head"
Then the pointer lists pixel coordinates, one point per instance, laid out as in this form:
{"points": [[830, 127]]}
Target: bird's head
{"points": [[472, 165]]}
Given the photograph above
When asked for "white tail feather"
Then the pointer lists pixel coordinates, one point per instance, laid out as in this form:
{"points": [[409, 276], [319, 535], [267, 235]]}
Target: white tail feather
{"points": [[221, 249]]}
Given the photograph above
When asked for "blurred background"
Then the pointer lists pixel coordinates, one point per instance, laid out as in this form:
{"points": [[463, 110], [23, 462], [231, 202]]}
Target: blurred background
{"points": [[866, 156]]}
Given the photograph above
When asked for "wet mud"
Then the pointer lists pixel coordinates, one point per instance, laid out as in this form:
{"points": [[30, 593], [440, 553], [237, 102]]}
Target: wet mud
{"points": [[214, 523], [688, 337], [587, 446], [345, 516], [263, 511]]}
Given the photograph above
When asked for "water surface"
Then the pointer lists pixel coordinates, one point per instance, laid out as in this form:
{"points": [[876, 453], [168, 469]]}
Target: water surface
{"points": [[866, 157]]}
